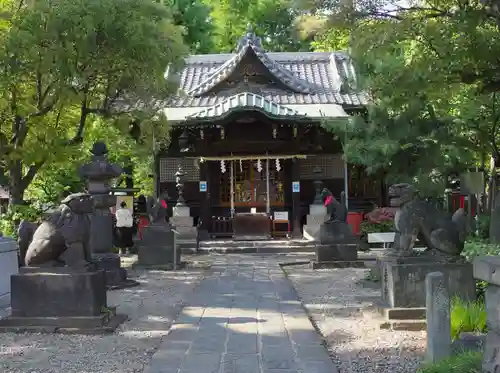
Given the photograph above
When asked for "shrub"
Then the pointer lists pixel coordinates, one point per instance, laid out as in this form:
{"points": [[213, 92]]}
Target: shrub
{"points": [[10, 220], [368, 227], [467, 317], [477, 247], [468, 362]]}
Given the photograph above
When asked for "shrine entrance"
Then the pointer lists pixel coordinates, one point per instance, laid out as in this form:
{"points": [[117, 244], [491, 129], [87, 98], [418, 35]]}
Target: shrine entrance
{"points": [[251, 181]]}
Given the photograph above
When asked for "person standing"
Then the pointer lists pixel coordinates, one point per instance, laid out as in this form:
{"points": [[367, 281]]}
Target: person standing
{"points": [[125, 227]]}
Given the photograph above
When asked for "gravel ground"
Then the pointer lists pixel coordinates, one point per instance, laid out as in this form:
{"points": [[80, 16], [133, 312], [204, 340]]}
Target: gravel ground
{"points": [[151, 308], [343, 311]]}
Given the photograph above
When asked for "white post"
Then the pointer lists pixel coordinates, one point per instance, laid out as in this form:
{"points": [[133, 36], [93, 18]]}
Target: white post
{"points": [[268, 202], [346, 185], [231, 191]]}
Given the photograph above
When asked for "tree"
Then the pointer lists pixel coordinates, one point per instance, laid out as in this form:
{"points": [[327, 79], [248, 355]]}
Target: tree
{"points": [[194, 17], [273, 21], [64, 63]]}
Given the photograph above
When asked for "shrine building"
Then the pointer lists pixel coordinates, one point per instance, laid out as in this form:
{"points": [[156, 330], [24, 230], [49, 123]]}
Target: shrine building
{"points": [[247, 129]]}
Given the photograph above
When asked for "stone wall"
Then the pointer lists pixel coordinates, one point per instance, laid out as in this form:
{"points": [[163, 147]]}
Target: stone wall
{"points": [[9, 265]]}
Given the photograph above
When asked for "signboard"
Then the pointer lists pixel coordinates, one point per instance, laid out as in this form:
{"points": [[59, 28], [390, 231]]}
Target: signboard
{"points": [[281, 215], [296, 186], [203, 186]]}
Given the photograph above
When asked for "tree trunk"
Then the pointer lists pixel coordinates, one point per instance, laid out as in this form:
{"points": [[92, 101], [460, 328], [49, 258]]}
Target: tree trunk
{"points": [[19, 182]]}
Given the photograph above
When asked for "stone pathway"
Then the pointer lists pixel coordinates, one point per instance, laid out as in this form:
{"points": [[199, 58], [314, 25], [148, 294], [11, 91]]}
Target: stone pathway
{"points": [[244, 318]]}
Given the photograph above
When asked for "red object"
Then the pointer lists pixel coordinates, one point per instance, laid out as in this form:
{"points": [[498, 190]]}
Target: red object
{"points": [[328, 200], [354, 219], [143, 222], [163, 204]]}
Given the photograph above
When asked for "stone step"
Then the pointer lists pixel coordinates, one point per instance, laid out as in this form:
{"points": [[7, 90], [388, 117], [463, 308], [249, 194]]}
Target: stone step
{"points": [[254, 249], [257, 244]]}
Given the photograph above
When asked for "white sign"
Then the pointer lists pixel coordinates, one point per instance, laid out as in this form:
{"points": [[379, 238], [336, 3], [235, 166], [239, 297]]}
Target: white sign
{"points": [[296, 187], [203, 186], [281, 215]]}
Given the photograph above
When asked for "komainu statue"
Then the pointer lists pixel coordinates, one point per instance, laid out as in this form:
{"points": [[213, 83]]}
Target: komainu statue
{"points": [[442, 234], [337, 211], [62, 238], [157, 210]]}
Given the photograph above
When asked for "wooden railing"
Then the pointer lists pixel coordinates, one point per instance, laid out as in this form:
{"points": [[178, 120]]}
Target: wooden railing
{"points": [[221, 227]]}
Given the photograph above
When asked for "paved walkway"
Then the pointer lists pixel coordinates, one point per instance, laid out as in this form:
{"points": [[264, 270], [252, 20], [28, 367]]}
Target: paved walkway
{"points": [[244, 318]]}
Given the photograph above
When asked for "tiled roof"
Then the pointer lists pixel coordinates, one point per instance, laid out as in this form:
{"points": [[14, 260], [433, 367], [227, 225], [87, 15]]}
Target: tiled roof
{"points": [[310, 77], [245, 100]]}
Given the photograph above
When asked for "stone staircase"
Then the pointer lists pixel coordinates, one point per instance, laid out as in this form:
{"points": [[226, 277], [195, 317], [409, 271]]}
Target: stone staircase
{"points": [[261, 246]]}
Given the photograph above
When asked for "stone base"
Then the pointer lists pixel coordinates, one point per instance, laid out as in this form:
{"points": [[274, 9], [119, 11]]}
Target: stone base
{"points": [[411, 319], [157, 247], [116, 277], [337, 264], [106, 322], [58, 294], [403, 280], [335, 232], [336, 252], [311, 232]]}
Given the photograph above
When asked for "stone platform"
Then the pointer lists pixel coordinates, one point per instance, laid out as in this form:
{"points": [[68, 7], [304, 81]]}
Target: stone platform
{"points": [[60, 300], [255, 246], [403, 295]]}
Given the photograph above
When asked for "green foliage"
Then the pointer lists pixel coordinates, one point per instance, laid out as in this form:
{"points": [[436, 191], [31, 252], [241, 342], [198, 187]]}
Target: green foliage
{"points": [[273, 21], [10, 220], [65, 63], [468, 362], [368, 227], [483, 227], [467, 317], [476, 247]]}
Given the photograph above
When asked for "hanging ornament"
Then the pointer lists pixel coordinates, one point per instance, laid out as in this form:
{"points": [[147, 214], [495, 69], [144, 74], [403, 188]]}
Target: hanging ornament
{"points": [[222, 166], [222, 133], [241, 165], [278, 165], [259, 165], [202, 134], [275, 132], [294, 131]]}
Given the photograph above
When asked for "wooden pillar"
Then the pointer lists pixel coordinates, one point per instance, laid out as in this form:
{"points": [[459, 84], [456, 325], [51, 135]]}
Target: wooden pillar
{"points": [[205, 218], [296, 211]]}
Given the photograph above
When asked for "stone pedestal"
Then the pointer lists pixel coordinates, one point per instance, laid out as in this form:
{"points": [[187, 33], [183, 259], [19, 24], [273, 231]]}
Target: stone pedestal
{"points": [[403, 296], [156, 249], [116, 276], [336, 244], [60, 300], [316, 217], [335, 232], [487, 268], [9, 265], [187, 233]]}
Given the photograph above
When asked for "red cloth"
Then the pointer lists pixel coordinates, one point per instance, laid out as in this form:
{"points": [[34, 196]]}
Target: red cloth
{"points": [[328, 200], [164, 204], [143, 222]]}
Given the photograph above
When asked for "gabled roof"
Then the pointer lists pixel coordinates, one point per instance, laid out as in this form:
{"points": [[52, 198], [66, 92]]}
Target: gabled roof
{"points": [[306, 82], [250, 44], [249, 101]]}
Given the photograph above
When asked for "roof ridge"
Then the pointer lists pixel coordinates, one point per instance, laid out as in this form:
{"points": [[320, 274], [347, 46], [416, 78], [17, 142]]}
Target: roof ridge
{"points": [[286, 76]]}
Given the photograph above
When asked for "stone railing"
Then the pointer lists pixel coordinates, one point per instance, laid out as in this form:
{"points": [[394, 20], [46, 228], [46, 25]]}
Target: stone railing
{"points": [[9, 265], [487, 268]]}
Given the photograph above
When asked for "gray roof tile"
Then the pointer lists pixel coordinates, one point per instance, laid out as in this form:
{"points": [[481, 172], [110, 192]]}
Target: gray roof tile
{"points": [[312, 77]]}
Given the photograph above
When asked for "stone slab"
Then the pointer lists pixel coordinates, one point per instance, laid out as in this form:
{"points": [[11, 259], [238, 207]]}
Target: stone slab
{"points": [[408, 325], [317, 210], [311, 232], [486, 268], [336, 252], [403, 281], [62, 325], [316, 219], [9, 265], [180, 211], [58, 294]]}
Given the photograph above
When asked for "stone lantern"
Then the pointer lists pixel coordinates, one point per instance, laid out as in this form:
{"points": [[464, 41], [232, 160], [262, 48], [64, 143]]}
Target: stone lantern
{"points": [[99, 173]]}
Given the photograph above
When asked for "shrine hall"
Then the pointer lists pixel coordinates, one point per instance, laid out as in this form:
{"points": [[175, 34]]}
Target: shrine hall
{"points": [[247, 129]]}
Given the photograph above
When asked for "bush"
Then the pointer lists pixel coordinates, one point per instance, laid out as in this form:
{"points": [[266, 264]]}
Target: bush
{"points": [[10, 220], [478, 247], [467, 317], [468, 362], [368, 227]]}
